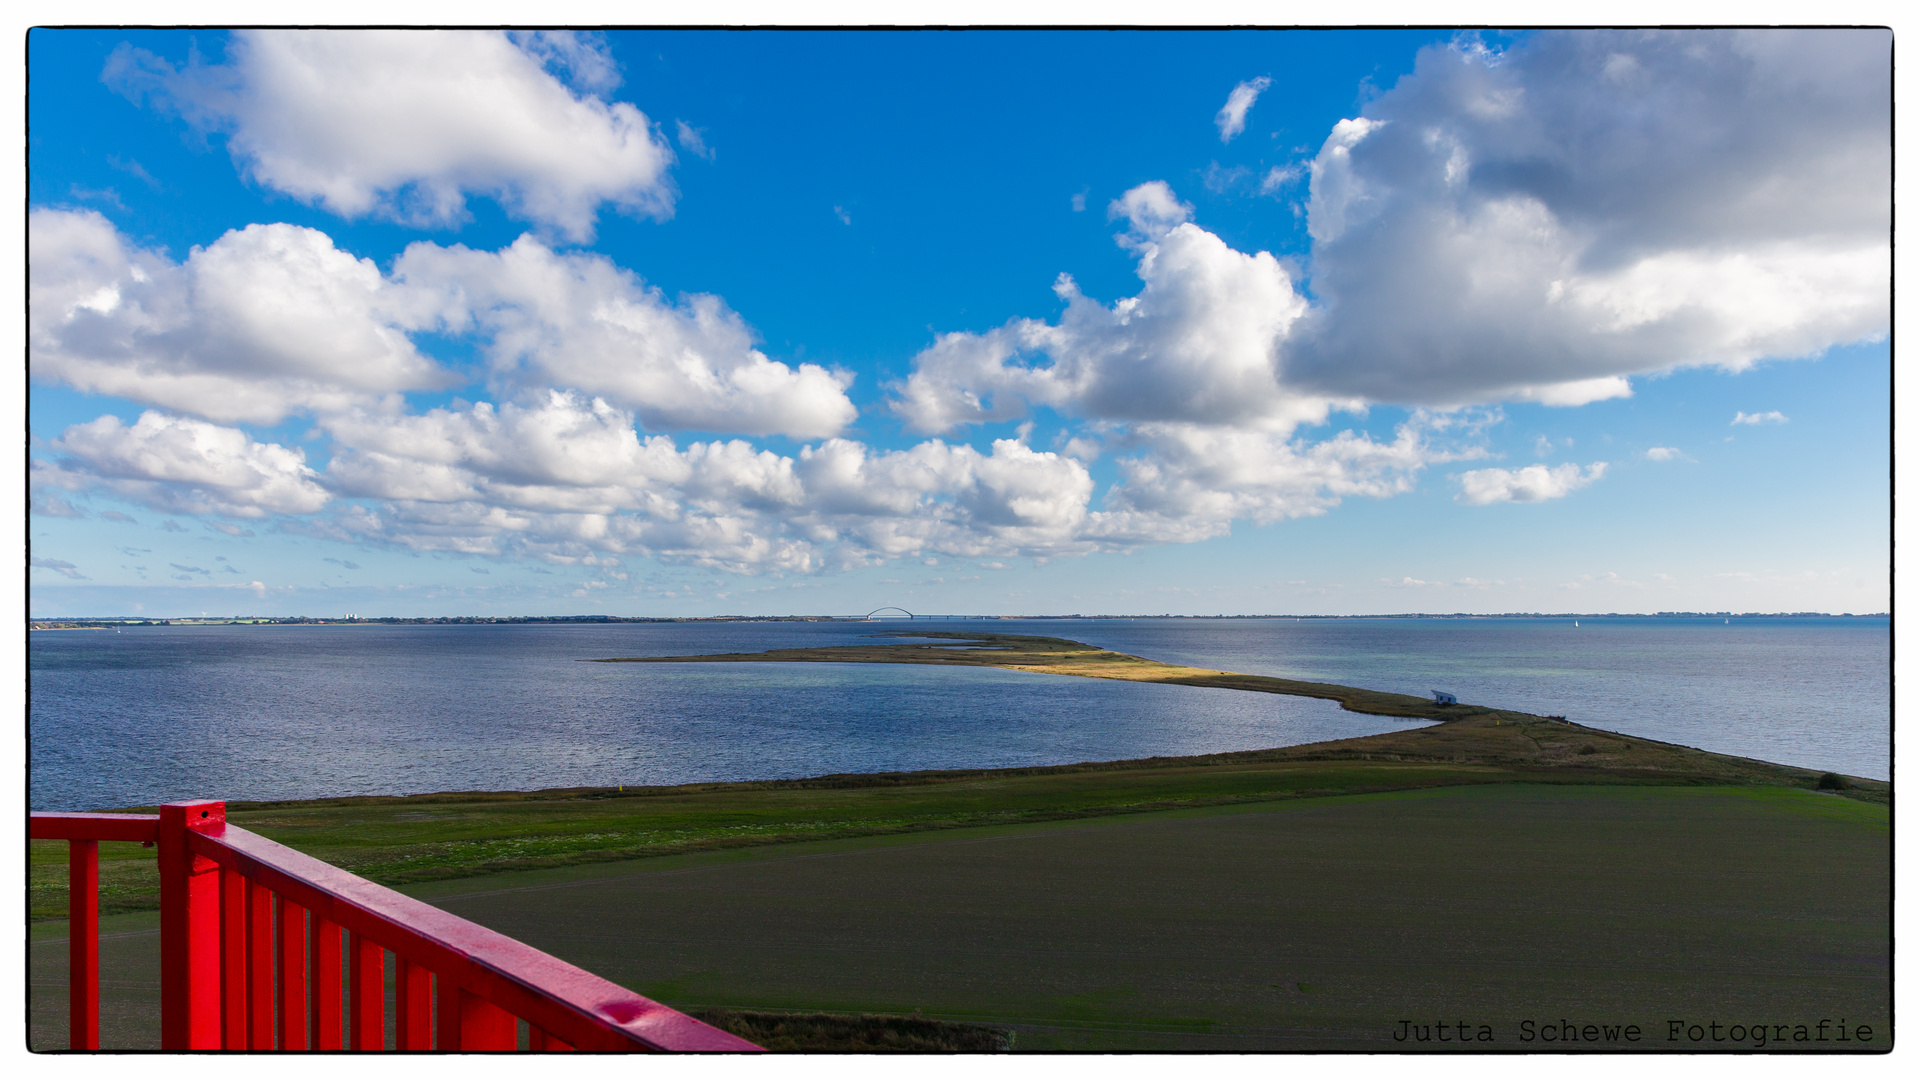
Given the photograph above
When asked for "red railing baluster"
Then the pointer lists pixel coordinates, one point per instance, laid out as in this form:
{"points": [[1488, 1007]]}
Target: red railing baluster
{"points": [[327, 985], [83, 944], [413, 1006], [539, 1038], [189, 929], [290, 956], [485, 1026], [367, 994], [259, 967], [233, 960]]}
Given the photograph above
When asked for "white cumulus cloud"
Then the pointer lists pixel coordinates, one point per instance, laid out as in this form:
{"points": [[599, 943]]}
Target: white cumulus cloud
{"points": [[568, 478], [1541, 223], [1772, 416], [1232, 118], [405, 124], [564, 453], [265, 321], [273, 320], [1198, 344], [1535, 483], [583, 59], [177, 465], [1192, 481], [578, 321], [728, 506]]}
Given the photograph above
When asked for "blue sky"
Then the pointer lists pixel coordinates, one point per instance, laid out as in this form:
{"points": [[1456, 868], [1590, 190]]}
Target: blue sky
{"points": [[688, 323]]}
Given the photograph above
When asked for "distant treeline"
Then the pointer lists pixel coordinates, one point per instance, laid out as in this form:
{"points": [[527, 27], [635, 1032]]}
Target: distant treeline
{"points": [[464, 620], [394, 620]]}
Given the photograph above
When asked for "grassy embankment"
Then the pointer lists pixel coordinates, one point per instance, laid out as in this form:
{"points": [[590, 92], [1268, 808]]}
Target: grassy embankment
{"points": [[396, 840]]}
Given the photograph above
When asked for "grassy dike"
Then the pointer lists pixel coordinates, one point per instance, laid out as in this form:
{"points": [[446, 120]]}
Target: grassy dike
{"points": [[421, 838]]}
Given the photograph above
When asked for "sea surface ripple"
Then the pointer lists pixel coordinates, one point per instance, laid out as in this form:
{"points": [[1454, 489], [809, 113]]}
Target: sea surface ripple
{"points": [[149, 714]]}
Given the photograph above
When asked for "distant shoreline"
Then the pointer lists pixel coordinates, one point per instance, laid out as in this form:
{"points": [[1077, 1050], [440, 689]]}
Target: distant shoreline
{"points": [[119, 622]]}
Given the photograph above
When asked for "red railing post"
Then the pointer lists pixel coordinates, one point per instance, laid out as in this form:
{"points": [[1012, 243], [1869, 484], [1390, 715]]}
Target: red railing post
{"points": [[323, 1005], [233, 960], [367, 994], [83, 944], [290, 955], [189, 929], [412, 1005], [467, 1023], [479, 1024], [259, 967]]}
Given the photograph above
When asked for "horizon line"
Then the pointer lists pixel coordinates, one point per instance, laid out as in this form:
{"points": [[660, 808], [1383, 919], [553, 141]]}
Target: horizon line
{"points": [[353, 618]]}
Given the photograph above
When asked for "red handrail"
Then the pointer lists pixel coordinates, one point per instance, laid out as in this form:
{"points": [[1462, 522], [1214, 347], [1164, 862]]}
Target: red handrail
{"points": [[237, 910]]}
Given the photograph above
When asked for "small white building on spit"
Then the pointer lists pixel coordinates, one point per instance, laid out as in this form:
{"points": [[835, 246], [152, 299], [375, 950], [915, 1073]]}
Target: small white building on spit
{"points": [[1441, 697]]}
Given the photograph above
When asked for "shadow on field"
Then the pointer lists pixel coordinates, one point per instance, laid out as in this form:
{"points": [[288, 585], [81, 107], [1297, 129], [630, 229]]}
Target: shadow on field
{"points": [[820, 1033]]}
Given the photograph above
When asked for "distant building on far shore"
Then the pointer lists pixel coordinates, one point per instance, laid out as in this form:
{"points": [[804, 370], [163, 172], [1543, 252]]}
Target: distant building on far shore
{"points": [[1441, 697]]}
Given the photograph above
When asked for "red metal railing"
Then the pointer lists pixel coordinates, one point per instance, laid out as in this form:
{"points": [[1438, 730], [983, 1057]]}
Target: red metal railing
{"points": [[252, 956]]}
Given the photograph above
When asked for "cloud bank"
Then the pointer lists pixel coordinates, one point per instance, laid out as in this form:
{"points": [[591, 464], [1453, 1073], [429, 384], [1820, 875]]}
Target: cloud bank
{"points": [[1541, 224], [273, 320], [569, 479], [1535, 225]]}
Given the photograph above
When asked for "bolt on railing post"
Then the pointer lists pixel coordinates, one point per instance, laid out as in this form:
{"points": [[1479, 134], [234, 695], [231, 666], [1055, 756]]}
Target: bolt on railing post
{"points": [[189, 929], [83, 944]]}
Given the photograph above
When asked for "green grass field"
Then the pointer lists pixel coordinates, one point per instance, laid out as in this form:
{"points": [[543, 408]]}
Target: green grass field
{"points": [[1319, 923], [396, 840]]}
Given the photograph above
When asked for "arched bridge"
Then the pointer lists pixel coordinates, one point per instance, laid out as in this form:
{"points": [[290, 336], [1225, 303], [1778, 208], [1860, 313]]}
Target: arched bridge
{"points": [[903, 612]]}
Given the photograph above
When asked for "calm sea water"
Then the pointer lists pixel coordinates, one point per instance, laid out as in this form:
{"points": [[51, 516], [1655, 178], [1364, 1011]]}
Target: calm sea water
{"points": [[151, 714]]}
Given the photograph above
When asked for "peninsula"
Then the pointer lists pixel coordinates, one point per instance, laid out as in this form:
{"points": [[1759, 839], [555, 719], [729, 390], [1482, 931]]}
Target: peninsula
{"points": [[1514, 743]]}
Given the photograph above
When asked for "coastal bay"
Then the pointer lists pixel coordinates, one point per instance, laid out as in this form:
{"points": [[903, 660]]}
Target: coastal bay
{"points": [[1565, 842], [401, 839]]}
